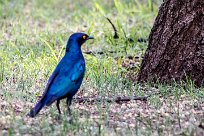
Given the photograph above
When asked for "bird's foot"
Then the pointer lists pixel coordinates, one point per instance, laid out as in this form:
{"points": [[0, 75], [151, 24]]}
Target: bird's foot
{"points": [[69, 112]]}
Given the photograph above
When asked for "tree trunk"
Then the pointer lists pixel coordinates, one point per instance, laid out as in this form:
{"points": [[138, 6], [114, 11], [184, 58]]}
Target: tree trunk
{"points": [[176, 44]]}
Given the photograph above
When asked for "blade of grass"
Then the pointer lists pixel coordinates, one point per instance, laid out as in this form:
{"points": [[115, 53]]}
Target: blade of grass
{"points": [[52, 51]]}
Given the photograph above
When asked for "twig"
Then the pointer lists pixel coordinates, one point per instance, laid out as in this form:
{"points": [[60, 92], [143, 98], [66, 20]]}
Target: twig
{"points": [[114, 28], [109, 100], [99, 52], [116, 36]]}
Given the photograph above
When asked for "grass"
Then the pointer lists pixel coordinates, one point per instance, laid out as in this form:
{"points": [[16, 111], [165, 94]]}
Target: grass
{"points": [[33, 35]]}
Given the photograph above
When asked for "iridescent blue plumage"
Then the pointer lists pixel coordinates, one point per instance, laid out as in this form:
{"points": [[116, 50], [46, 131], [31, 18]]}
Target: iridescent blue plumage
{"points": [[67, 76]]}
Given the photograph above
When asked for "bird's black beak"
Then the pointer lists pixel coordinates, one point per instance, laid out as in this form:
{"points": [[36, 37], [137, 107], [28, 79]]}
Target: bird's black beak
{"points": [[90, 37]]}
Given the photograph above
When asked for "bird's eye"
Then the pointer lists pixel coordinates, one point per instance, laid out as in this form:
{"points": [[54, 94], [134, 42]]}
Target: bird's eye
{"points": [[84, 37]]}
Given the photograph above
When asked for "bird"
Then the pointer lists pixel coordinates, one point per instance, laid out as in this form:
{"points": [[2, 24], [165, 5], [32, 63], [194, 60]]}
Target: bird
{"points": [[67, 77]]}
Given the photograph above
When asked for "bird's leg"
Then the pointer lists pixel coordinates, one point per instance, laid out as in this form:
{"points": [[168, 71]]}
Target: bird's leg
{"points": [[69, 102], [58, 107]]}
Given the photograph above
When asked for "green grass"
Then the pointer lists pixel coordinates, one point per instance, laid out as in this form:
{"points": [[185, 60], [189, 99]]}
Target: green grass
{"points": [[33, 35]]}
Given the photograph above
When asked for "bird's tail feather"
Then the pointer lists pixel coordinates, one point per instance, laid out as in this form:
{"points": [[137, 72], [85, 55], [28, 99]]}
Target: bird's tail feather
{"points": [[34, 111]]}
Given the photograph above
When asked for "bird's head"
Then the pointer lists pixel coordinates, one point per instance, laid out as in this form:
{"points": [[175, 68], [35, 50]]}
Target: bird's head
{"points": [[80, 38], [76, 40]]}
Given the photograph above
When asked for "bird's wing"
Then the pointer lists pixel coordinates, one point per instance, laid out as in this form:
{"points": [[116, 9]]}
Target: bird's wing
{"points": [[67, 81], [78, 73], [51, 79]]}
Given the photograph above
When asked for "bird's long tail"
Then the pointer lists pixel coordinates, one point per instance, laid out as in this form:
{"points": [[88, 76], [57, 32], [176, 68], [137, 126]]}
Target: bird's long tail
{"points": [[34, 111]]}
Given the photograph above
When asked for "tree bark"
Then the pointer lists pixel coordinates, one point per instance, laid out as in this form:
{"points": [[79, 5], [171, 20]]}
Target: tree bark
{"points": [[176, 44]]}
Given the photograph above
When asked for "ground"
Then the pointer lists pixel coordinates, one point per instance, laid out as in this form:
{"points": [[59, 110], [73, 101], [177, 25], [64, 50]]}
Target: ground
{"points": [[33, 36]]}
